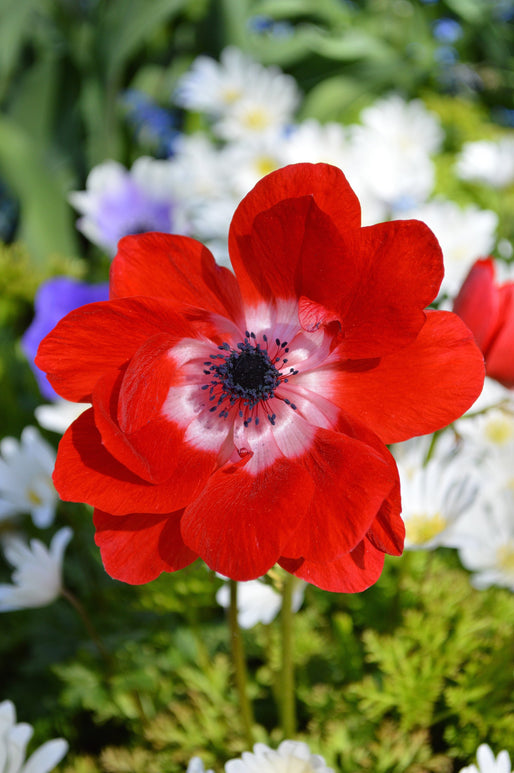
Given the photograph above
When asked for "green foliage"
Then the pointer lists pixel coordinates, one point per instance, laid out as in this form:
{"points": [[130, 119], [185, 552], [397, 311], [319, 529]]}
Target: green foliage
{"points": [[411, 675]]}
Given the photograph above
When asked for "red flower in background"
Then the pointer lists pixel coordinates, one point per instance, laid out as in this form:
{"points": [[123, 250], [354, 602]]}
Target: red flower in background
{"points": [[242, 418], [487, 308]]}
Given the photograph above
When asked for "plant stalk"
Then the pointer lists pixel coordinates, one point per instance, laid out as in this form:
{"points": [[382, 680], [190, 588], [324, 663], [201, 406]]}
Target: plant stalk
{"points": [[287, 675], [239, 661]]}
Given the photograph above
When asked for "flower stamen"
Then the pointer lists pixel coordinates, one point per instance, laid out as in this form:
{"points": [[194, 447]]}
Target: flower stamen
{"points": [[247, 375]]}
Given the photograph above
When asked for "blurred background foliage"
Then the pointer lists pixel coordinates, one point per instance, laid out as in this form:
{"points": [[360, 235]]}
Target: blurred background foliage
{"points": [[65, 64], [395, 679]]}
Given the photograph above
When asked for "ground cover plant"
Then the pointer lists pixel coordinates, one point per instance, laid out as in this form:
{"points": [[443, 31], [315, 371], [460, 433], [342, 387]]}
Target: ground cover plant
{"points": [[220, 577]]}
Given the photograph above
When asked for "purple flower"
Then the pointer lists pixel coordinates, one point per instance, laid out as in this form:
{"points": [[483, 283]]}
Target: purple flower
{"points": [[54, 299], [118, 202]]}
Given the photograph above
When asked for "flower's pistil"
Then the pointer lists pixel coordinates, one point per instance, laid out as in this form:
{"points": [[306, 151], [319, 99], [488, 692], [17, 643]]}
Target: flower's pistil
{"points": [[247, 376]]}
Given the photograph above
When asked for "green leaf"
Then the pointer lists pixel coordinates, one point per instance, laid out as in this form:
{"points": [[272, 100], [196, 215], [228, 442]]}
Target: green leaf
{"points": [[46, 224], [128, 24]]}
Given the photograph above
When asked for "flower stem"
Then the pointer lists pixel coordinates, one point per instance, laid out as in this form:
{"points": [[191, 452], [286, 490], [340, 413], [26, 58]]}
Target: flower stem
{"points": [[287, 676], [69, 596], [239, 661]]}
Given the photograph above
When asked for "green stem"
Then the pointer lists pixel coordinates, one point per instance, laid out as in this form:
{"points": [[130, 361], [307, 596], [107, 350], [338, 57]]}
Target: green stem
{"points": [[69, 596], [106, 657], [287, 676], [239, 661]]}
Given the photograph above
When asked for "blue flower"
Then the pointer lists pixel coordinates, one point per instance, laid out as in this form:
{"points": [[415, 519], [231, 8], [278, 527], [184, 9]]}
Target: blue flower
{"points": [[54, 299], [446, 30]]}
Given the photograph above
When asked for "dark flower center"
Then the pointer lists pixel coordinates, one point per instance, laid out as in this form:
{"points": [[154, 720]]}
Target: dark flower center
{"points": [[246, 375]]}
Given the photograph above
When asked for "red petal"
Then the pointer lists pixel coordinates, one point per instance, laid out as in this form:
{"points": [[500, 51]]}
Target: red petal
{"points": [[351, 573], [239, 522], [101, 337], [330, 192], [105, 398], [500, 354], [387, 532], [136, 548], [351, 480], [478, 301], [419, 389], [86, 472], [400, 269], [155, 264]]}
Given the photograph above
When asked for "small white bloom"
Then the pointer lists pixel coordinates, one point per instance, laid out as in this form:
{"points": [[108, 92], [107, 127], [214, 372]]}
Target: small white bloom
{"points": [[290, 757], [118, 202], [487, 162], [334, 144], [245, 163], [258, 602], [391, 153], [464, 235], [37, 576], [488, 763], [196, 766], [14, 739], [26, 478], [435, 494], [245, 97], [486, 532], [409, 126], [58, 416]]}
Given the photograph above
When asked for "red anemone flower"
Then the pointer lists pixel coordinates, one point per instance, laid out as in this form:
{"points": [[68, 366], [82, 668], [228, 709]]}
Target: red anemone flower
{"points": [[242, 417], [488, 309]]}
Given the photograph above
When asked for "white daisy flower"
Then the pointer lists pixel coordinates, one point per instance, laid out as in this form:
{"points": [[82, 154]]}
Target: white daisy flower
{"points": [[247, 162], [118, 202], [245, 97], [290, 757], [486, 533], [26, 485], [464, 235], [333, 144], [199, 170], [488, 763], [258, 602], [435, 494], [487, 547], [37, 576], [488, 432], [408, 126], [196, 766], [398, 179], [14, 739], [488, 162], [58, 416]]}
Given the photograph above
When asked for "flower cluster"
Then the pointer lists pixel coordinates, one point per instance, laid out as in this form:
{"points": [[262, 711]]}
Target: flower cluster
{"points": [[250, 110]]}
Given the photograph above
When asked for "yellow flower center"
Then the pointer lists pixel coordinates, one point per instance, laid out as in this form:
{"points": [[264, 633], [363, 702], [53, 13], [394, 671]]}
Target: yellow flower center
{"points": [[230, 95], [256, 118], [265, 165], [421, 528], [505, 557], [499, 430], [34, 498]]}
